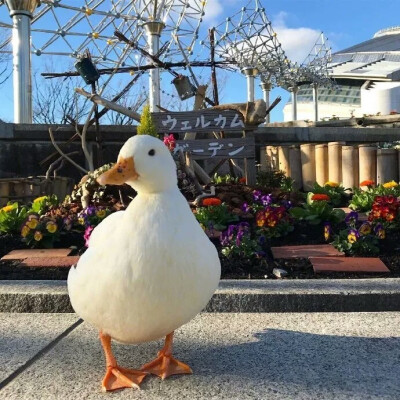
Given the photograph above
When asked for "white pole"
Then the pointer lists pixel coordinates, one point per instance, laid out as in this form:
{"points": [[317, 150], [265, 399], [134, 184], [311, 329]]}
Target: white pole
{"points": [[294, 90], [266, 88], [315, 100], [21, 13], [250, 87], [153, 30], [250, 74]]}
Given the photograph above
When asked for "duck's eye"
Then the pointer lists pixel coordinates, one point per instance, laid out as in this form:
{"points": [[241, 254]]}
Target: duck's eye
{"points": [[152, 152]]}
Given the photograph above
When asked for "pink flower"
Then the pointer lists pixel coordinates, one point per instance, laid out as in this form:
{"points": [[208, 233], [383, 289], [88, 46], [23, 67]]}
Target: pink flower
{"points": [[170, 141], [87, 234]]}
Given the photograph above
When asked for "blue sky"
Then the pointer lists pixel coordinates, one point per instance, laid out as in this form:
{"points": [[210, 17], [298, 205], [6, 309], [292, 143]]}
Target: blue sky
{"points": [[297, 22]]}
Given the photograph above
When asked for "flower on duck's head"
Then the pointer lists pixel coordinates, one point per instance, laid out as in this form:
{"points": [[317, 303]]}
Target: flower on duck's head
{"points": [[170, 141], [327, 231], [331, 184], [351, 218], [389, 185], [365, 229], [38, 236], [320, 197], [353, 235], [51, 227], [7, 208], [367, 182], [211, 201]]}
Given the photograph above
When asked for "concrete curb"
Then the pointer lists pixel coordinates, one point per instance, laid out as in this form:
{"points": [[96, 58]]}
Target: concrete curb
{"points": [[312, 295]]}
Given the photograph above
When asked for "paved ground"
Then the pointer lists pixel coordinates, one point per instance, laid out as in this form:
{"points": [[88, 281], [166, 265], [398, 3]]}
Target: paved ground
{"points": [[234, 356]]}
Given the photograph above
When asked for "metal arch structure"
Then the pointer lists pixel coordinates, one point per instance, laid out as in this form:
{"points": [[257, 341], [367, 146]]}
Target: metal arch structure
{"points": [[248, 41], [313, 70], [63, 28]]}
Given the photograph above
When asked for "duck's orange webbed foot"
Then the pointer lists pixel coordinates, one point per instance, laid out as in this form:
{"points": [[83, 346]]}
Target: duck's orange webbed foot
{"points": [[165, 365], [117, 377]]}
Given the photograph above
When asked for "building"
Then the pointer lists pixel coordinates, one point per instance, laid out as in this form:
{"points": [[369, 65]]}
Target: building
{"points": [[367, 77]]}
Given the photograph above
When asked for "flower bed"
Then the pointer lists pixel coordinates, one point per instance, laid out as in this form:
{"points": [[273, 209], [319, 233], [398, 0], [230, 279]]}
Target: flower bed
{"points": [[243, 222]]}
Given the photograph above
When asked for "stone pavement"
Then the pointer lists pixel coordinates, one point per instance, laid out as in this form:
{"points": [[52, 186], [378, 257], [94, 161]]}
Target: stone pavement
{"points": [[286, 356]]}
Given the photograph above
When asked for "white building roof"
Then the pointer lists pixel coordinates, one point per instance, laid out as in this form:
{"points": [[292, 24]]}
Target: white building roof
{"points": [[375, 59]]}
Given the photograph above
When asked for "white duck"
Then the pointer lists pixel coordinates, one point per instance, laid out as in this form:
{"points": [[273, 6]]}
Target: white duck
{"points": [[149, 269]]}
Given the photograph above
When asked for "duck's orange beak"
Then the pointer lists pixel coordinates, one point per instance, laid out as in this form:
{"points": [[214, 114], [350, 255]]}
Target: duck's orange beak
{"points": [[123, 171]]}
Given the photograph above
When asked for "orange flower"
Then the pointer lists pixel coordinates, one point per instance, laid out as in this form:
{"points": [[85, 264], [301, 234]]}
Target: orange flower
{"points": [[320, 197], [242, 180], [367, 183], [212, 201]]}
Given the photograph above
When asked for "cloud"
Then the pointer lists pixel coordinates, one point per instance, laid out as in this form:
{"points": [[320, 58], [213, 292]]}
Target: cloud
{"points": [[296, 42], [213, 11]]}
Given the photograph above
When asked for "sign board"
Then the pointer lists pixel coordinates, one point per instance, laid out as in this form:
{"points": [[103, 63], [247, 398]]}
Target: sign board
{"points": [[207, 120], [201, 149]]}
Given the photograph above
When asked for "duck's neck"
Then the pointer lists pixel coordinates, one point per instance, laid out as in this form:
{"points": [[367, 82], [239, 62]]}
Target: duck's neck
{"points": [[170, 195]]}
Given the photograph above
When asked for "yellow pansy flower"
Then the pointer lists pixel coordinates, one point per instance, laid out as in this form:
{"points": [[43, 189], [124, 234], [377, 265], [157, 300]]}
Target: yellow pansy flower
{"points": [[331, 184], [101, 213], [51, 227], [7, 208], [38, 236], [25, 231], [389, 185], [32, 223]]}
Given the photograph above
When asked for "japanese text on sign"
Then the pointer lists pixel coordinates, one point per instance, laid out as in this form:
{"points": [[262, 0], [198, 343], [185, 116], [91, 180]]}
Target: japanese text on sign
{"points": [[222, 148], [197, 121]]}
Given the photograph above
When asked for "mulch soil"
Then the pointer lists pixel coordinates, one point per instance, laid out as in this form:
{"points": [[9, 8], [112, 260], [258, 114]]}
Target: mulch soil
{"points": [[235, 268]]}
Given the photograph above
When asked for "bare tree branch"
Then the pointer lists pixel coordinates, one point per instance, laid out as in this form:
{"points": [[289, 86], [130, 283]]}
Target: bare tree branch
{"points": [[63, 154], [108, 104]]}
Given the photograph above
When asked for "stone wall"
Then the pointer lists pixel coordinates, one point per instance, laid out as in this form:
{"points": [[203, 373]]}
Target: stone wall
{"points": [[23, 148]]}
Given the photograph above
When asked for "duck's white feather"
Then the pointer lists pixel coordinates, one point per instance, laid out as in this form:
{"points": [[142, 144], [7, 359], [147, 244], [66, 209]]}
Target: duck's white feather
{"points": [[148, 270]]}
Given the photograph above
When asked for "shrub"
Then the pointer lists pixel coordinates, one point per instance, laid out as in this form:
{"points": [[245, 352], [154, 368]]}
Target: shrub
{"points": [[147, 126]]}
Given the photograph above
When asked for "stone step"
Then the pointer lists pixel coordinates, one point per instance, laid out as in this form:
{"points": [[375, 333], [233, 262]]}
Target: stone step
{"points": [[236, 296]]}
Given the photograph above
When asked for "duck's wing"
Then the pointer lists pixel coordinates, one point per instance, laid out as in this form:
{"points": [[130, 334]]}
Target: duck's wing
{"points": [[83, 278], [99, 243]]}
